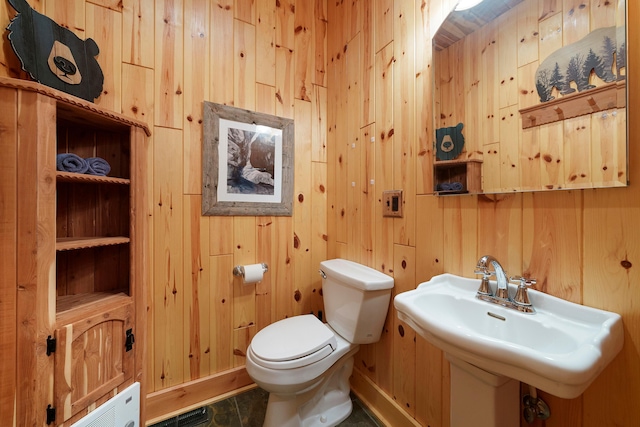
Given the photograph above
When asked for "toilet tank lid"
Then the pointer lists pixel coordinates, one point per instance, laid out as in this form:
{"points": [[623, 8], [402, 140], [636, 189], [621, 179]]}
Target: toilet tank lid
{"points": [[292, 338], [356, 275]]}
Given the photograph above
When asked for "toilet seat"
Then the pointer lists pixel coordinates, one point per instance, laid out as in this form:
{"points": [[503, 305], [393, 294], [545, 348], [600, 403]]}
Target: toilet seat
{"points": [[293, 342]]}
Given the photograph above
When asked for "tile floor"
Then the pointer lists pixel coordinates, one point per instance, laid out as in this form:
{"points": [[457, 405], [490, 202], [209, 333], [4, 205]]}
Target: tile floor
{"points": [[248, 409]]}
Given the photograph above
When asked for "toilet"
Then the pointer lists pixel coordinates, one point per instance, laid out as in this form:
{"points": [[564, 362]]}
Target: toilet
{"points": [[305, 364]]}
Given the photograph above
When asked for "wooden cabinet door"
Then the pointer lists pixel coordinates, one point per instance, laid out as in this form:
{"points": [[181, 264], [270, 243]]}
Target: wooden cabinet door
{"points": [[91, 357]]}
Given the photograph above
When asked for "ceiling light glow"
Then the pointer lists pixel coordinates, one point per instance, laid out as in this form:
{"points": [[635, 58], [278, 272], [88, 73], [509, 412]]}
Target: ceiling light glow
{"points": [[467, 4]]}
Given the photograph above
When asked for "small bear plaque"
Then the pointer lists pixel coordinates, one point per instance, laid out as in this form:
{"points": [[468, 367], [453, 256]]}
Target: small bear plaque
{"points": [[449, 142]]}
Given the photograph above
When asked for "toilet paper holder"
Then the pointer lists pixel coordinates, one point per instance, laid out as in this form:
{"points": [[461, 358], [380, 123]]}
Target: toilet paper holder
{"points": [[238, 270]]}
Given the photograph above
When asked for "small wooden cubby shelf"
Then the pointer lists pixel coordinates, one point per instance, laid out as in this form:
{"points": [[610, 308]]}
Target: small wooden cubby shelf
{"points": [[467, 172]]}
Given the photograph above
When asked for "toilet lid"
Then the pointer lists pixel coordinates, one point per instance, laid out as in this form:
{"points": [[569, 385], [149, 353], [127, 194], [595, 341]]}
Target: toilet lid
{"points": [[294, 340]]}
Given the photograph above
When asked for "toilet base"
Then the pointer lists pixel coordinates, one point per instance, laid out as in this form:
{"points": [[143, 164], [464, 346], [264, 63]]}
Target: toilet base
{"points": [[326, 404]]}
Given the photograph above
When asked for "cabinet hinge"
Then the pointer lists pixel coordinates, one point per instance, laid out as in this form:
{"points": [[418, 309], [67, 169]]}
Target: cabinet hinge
{"points": [[130, 339], [51, 414], [51, 345]]}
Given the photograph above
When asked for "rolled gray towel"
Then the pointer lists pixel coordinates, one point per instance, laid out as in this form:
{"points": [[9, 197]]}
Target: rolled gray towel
{"points": [[69, 162], [456, 186], [98, 166]]}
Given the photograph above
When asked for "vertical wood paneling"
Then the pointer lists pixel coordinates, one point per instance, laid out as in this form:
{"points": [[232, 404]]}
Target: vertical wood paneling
{"points": [[168, 285], [368, 194], [244, 73], [245, 10], [320, 23], [196, 88], [284, 82], [221, 314], [169, 48], [221, 54], [319, 121], [353, 152], [404, 340], [303, 42], [285, 16], [404, 117], [137, 24], [302, 240], [265, 42], [264, 288], [509, 153], [196, 290], [244, 294], [383, 18], [319, 233], [137, 93], [105, 27], [8, 222], [424, 100], [552, 253], [384, 150]]}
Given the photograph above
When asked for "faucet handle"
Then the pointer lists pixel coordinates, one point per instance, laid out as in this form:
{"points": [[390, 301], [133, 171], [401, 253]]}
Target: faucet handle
{"points": [[484, 284], [522, 297]]}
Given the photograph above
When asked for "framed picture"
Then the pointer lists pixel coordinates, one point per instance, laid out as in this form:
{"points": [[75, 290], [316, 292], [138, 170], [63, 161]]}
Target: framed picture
{"points": [[247, 162]]}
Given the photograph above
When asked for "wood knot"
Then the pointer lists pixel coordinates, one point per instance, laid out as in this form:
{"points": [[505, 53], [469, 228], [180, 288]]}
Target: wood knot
{"points": [[626, 264], [297, 295], [401, 330]]}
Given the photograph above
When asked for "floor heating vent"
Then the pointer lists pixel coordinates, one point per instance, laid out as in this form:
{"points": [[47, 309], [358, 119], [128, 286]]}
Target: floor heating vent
{"points": [[122, 410], [195, 418]]}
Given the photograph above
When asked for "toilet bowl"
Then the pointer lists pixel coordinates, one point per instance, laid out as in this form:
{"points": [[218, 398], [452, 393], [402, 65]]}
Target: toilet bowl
{"points": [[305, 364], [313, 388]]}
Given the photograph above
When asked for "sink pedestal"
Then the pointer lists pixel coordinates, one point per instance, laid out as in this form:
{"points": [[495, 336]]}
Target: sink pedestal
{"points": [[482, 399]]}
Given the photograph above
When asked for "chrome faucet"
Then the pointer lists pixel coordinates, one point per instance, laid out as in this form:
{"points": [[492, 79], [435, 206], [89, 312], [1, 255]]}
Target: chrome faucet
{"points": [[520, 302], [501, 276]]}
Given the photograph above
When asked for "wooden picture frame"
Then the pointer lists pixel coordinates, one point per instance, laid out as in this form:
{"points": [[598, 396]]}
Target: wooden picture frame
{"points": [[247, 162]]}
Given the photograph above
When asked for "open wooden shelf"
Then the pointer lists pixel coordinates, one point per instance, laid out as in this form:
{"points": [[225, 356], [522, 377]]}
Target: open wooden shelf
{"points": [[71, 243], [72, 307], [467, 172], [601, 98], [97, 179]]}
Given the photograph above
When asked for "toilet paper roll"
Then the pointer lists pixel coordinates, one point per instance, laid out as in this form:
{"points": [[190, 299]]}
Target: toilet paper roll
{"points": [[253, 273]]}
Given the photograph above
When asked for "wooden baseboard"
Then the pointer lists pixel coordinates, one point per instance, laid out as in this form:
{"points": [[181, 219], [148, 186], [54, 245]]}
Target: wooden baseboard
{"points": [[378, 402], [175, 400]]}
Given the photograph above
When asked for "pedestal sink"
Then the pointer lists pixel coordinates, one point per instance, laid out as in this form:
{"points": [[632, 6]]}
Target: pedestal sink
{"points": [[560, 349]]}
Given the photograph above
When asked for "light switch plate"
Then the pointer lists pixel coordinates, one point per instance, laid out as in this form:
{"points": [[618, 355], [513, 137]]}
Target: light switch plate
{"points": [[392, 203]]}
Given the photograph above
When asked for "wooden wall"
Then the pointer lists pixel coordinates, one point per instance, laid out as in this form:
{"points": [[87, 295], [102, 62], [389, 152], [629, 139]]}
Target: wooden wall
{"points": [[581, 245], [161, 59], [355, 76]]}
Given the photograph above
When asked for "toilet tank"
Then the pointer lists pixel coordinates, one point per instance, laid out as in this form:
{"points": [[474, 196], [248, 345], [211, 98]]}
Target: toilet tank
{"points": [[356, 299]]}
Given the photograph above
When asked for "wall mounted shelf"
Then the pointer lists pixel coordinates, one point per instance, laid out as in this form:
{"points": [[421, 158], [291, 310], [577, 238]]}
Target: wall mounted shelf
{"points": [[601, 98]]}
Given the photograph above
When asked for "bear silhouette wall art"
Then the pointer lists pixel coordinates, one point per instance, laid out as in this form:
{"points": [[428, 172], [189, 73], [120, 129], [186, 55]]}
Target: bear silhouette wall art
{"points": [[54, 55]]}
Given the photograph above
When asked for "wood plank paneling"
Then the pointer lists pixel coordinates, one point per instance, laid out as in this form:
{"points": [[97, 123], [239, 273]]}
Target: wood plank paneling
{"points": [[168, 286], [137, 23], [196, 88], [105, 27], [197, 272], [169, 48], [244, 73], [170, 55], [8, 223], [221, 55], [266, 42]]}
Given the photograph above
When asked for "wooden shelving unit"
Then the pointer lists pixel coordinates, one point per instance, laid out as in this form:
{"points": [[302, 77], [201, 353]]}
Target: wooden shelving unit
{"points": [[80, 251]]}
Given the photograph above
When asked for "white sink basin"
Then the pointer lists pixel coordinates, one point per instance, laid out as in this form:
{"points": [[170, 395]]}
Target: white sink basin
{"points": [[560, 349]]}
